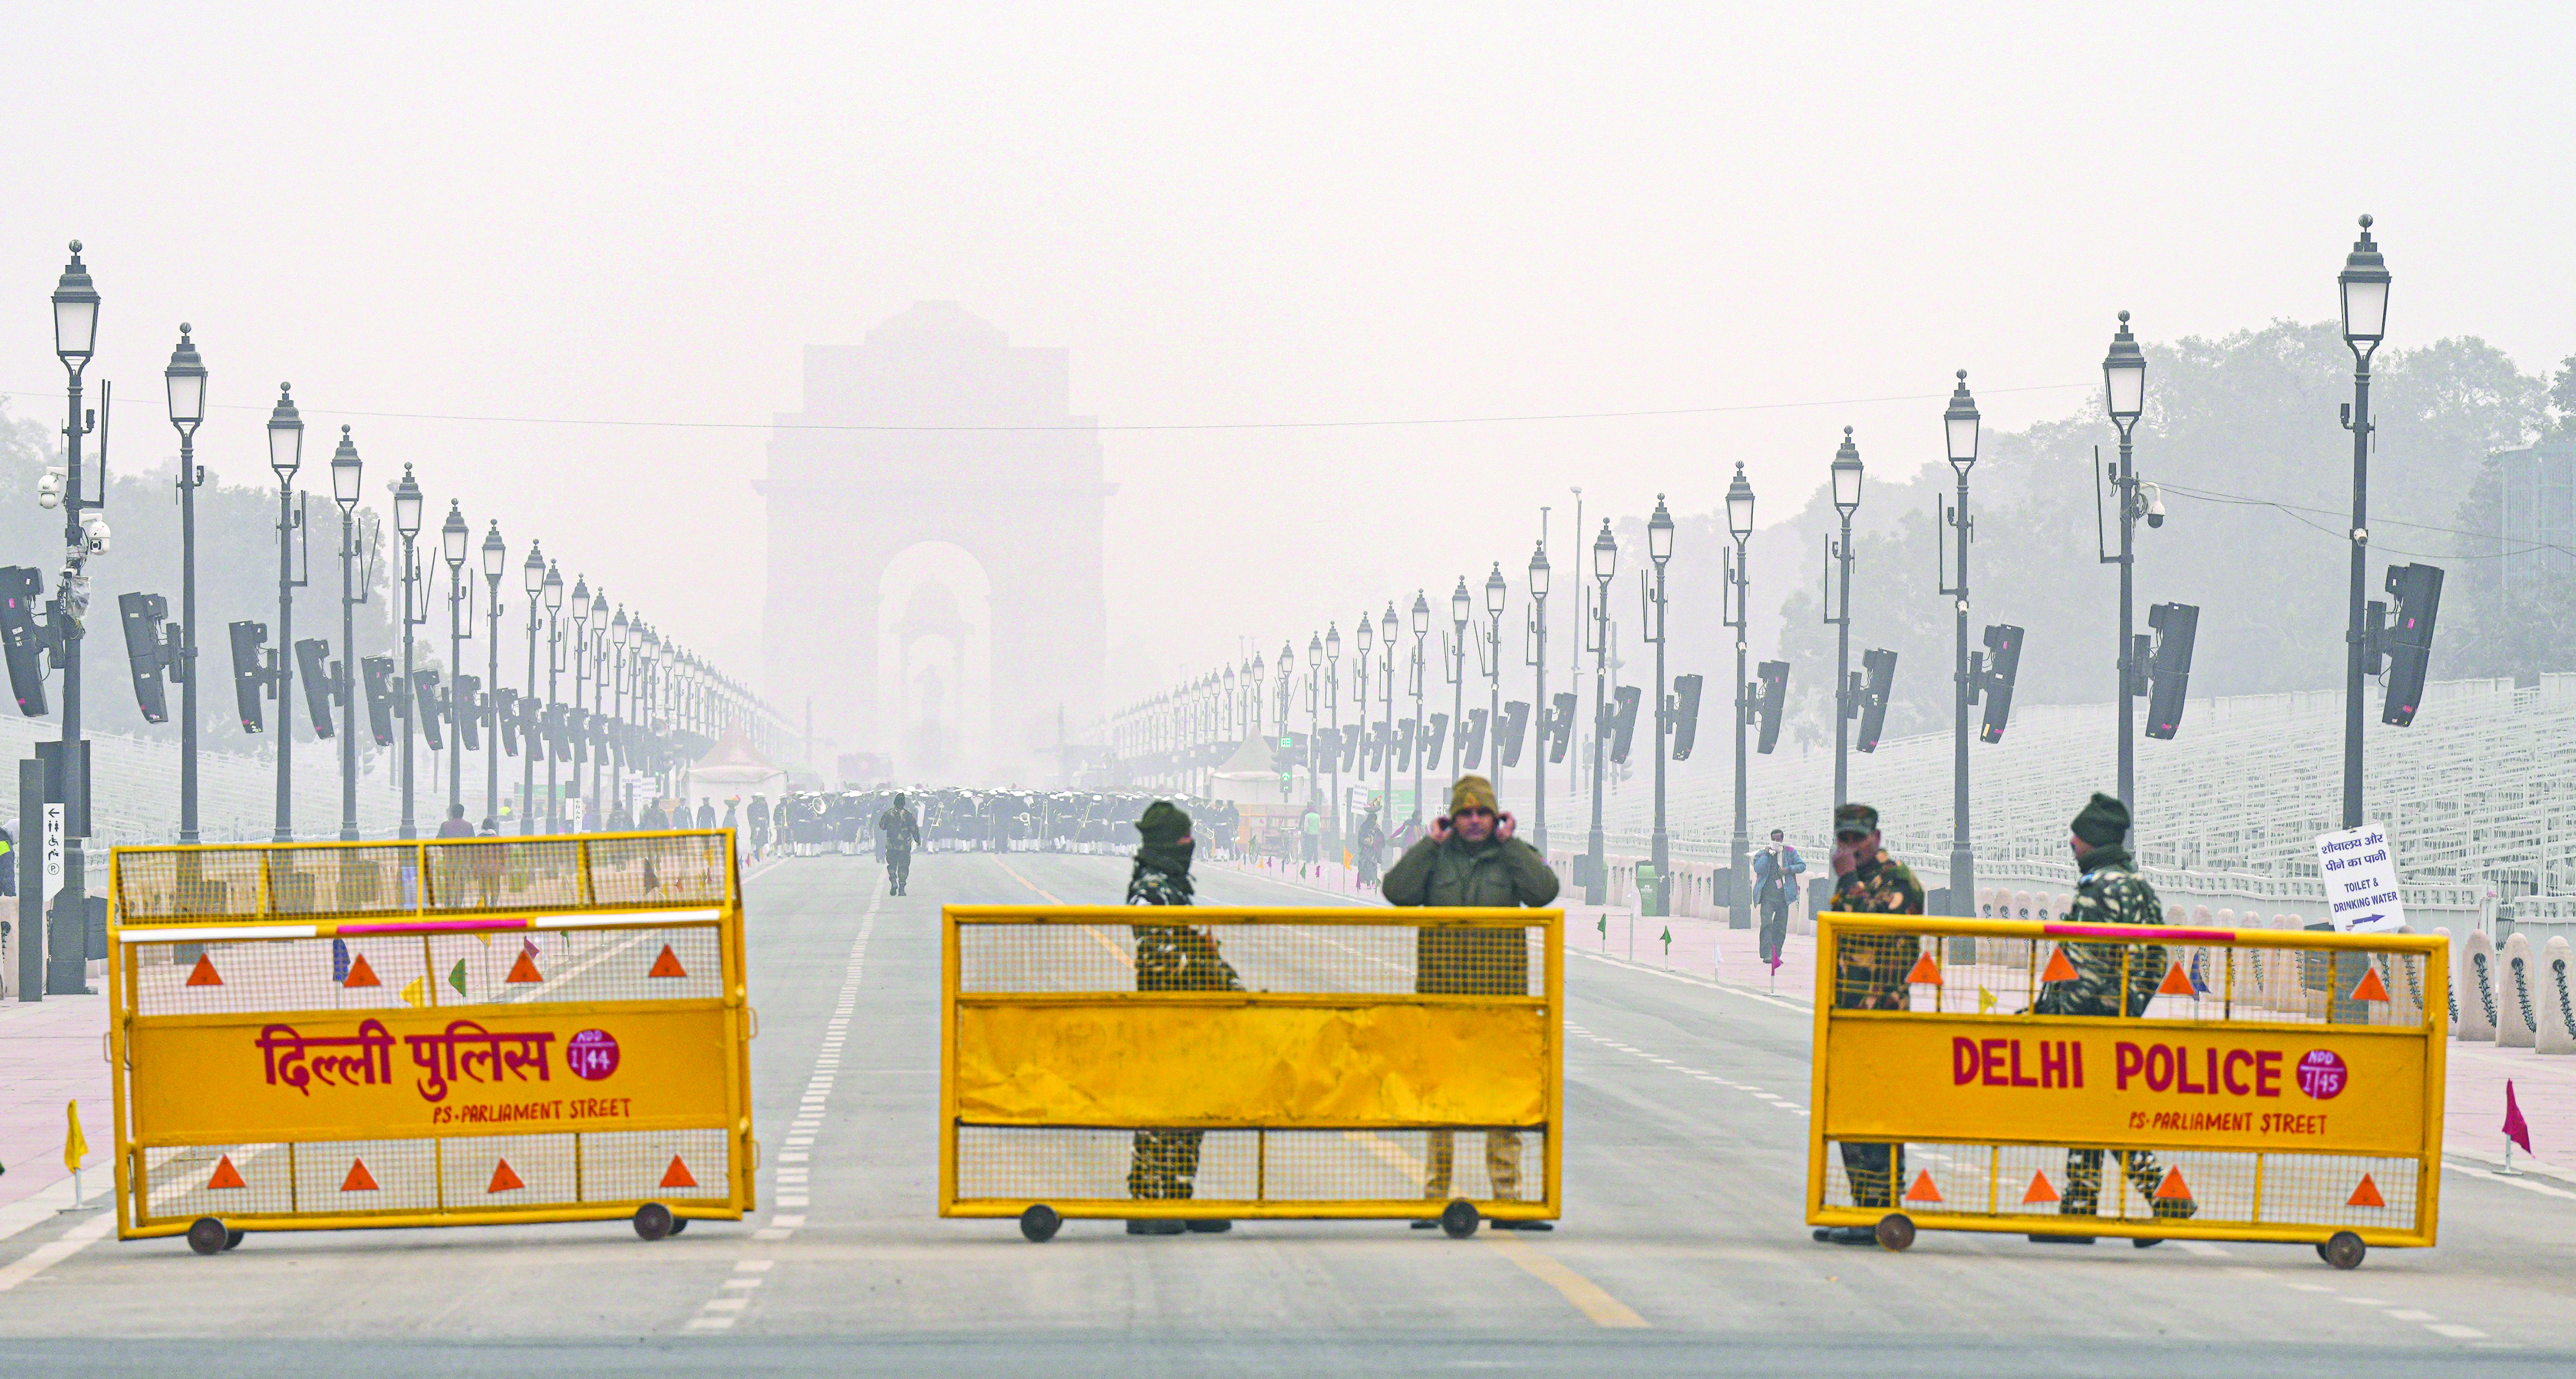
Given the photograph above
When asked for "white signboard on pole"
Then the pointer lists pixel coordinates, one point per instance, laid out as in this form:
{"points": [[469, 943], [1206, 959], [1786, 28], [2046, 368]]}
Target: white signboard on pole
{"points": [[53, 855], [2360, 871]]}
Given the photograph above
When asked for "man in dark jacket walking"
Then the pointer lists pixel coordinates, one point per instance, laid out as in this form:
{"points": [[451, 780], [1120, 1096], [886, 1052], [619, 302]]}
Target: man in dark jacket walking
{"points": [[1472, 859]]}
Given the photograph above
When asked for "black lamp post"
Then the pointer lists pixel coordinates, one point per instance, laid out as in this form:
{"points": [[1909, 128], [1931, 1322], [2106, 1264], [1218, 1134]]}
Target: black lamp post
{"points": [[554, 706], [1314, 724], [496, 560], [452, 535], [407, 500], [286, 456], [1333, 708], [1460, 607], [1421, 745], [1538, 579], [1659, 548], [2364, 284], [1386, 685], [620, 669], [1847, 476], [75, 340], [2124, 387], [1605, 567], [346, 471], [1959, 426], [185, 381], [1495, 593], [533, 577], [1739, 524], [580, 633]]}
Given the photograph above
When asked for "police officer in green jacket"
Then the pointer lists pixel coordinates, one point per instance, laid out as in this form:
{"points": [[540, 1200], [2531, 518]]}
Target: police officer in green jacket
{"points": [[1471, 858]]}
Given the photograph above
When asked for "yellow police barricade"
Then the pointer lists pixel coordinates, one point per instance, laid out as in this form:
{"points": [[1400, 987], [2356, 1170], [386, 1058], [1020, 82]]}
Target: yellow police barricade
{"points": [[337, 1035], [2274, 1086], [1214, 1062]]}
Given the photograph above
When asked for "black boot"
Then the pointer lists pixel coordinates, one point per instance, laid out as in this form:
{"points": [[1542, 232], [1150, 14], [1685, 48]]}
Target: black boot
{"points": [[1160, 1225], [1846, 1235]]}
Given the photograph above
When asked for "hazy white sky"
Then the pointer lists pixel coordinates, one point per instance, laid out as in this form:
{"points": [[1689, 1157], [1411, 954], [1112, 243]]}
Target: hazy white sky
{"points": [[1240, 213]]}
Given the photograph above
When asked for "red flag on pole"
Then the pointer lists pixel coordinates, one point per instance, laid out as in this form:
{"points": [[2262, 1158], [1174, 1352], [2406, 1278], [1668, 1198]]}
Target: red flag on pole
{"points": [[2514, 1128]]}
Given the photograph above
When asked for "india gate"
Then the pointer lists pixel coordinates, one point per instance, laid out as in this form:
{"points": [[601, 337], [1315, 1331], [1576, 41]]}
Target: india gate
{"points": [[936, 592]]}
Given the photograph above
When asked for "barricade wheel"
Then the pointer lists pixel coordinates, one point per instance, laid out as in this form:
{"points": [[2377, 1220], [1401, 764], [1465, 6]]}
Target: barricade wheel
{"points": [[1459, 1219], [233, 1239], [1895, 1230], [679, 1224], [2343, 1250], [1040, 1223], [206, 1235], [653, 1221]]}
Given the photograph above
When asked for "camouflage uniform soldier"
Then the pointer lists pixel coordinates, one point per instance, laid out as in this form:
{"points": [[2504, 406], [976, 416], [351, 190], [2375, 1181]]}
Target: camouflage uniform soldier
{"points": [[1169, 957], [1869, 974], [2111, 892]]}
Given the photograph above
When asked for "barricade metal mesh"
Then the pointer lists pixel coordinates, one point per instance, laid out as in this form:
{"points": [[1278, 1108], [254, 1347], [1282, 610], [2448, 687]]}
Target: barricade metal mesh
{"points": [[1952, 974], [1014, 1164], [393, 971], [458, 876], [1212, 952], [2207, 1187], [455, 1175]]}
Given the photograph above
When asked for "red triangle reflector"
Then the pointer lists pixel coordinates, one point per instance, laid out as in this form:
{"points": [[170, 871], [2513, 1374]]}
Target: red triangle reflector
{"points": [[203, 974], [225, 1174], [2039, 1191], [1925, 971], [359, 1179], [1923, 1191], [360, 974], [667, 965], [503, 1180], [2366, 1195], [2172, 1189], [2371, 987], [523, 970], [2058, 969], [2176, 983], [678, 1175]]}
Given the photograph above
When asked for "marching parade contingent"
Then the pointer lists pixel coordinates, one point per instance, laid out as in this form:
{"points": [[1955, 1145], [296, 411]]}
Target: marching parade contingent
{"points": [[936, 916]]}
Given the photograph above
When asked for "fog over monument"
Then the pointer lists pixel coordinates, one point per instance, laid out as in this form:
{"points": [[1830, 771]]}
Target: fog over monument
{"points": [[936, 594]]}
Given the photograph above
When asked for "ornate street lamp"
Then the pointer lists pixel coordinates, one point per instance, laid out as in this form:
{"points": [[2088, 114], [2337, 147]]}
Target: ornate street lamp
{"points": [[185, 382], [285, 457], [1659, 549], [407, 503], [1959, 423], [1846, 484], [2124, 396], [1605, 567], [346, 471], [1739, 524], [2364, 283]]}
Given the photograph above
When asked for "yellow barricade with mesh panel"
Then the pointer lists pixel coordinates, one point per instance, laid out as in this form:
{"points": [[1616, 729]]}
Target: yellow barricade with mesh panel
{"points": [[1215, 1062], [2252, 1085], [472, 1031]]}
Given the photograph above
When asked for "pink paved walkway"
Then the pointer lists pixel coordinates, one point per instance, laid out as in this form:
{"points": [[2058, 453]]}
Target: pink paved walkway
{"points": [[49, 1054]]}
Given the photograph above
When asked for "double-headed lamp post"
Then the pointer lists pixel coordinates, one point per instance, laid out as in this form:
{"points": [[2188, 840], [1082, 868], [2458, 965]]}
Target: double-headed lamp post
{"points": [[1659, 548], [185, 381], [1605, 567], [346, 471], [2124, 388], [1739, 524], [496, 562], [1538, 575], [2364, 285], [1846, 476], [1959, 427], [452, 536], [407, 502], [285, 455]]}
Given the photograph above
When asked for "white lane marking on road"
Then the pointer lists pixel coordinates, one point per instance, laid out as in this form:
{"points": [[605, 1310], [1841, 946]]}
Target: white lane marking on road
{"points": [[2455, 1331], [2410, 1314], [55, 1251], [1688, 980], [1768, 1098], [2517, 1180], [2202, 1248]]}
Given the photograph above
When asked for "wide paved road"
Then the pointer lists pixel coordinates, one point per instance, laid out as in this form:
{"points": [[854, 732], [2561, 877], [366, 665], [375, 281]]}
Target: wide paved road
{"points": [[1681, 1252]]}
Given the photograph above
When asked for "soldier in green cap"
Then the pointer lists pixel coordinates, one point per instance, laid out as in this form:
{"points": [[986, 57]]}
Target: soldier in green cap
{"points": [[2110, 892], [1869, 974], [1169, 957]]}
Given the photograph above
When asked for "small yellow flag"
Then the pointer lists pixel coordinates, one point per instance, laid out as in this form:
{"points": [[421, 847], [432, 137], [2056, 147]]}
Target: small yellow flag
{"points": [[75, 1144], [416, 993], [1985, 1000]]}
